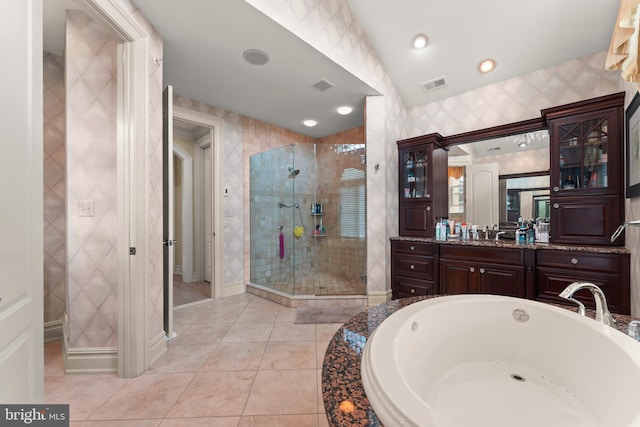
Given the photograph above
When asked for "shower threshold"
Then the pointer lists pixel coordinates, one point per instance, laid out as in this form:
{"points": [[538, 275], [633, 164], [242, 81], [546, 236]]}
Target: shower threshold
{"points": [[295, 301]]}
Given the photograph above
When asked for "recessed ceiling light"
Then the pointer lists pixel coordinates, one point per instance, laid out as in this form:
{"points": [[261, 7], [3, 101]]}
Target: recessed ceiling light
{"points": [[344, 110], [310, 123], [420, 41], [486, 65], [255, 57]]}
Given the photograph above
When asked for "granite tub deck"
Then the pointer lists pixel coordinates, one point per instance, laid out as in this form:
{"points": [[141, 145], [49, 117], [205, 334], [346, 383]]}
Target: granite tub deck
{"points": [[345, 402]]}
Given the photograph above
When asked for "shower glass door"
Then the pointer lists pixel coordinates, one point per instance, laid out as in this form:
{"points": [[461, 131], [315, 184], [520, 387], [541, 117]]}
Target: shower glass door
{"points": [[308, 219], [282, 185]]}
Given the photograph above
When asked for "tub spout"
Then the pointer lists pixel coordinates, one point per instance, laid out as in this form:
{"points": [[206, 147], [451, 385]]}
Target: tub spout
{"points": [[602, 310]]}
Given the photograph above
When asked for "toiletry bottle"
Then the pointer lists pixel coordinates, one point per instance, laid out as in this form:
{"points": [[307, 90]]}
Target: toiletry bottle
{"points": [[522, 236], [531, 235], [438, 228]]}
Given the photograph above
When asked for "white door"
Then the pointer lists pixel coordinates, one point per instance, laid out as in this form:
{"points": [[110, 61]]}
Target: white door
{"points": [[21, 224], [208, 220], [167, 209], [482, 194]]}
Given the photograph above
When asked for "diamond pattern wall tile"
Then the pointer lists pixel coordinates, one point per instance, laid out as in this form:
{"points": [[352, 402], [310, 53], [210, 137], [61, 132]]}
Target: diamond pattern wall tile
{"points": [[54, 184], [91, 164]]}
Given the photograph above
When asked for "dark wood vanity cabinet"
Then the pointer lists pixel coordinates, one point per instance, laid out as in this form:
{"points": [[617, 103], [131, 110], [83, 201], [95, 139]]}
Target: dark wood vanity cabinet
{"points": [[422, 178], [425, 268], [413, 268], [555, 270], [467, 269], [587, 173]]}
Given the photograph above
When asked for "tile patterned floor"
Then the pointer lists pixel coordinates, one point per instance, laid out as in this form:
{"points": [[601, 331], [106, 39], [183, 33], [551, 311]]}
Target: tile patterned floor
{"points": [[184, 293], [236, 362]]}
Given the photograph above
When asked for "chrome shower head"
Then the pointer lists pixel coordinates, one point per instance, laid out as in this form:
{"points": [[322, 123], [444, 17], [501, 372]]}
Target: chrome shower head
{"points": [[293, 172]]}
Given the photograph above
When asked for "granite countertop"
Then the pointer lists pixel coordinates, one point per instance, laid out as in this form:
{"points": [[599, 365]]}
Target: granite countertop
{"points": [[502, 243], [345, 402]]}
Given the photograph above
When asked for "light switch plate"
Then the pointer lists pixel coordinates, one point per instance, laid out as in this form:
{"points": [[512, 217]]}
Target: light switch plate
{"points": [[86, 208]]}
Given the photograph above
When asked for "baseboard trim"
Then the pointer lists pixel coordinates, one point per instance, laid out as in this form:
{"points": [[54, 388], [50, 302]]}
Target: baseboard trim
{"points": [[231, 290], [91, 360], [157, 348], [53, 330], [378, 297], [177, 269]]}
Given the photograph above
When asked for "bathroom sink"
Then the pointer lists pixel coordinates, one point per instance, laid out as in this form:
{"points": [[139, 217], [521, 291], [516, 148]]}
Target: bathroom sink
{"points": [[484, 360]]}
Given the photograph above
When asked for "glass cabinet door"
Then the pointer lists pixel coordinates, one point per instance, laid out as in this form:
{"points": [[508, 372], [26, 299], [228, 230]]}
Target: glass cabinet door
{"points": [[415, 180], [583, 154]]}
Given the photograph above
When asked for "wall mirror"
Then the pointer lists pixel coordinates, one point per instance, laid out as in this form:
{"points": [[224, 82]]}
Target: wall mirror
{"points": [[497, 176]]}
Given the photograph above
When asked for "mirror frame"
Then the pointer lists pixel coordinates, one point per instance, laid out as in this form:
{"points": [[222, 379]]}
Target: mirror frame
{"points": [[525, 175], [508, 129]]}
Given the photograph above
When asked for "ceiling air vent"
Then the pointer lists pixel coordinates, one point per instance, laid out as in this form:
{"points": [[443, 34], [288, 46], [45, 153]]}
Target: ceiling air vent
{"points": [[433, 84], [323, 85]]}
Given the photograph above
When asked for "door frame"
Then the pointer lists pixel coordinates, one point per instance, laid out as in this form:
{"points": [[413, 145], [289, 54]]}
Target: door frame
{"points": [[216, 139], [187, 213], [132, 157]]}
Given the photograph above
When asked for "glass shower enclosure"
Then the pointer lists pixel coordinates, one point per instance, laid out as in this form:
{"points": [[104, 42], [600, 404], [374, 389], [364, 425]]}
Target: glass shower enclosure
{"points": [[307, 210]]}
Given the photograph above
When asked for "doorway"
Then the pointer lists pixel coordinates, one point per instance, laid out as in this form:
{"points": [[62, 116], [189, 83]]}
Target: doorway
{"points": [[192, 281], [211, 136]]}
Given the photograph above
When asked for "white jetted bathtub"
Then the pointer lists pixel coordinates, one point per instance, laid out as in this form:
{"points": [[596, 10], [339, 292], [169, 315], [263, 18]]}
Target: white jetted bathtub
{"points": [[491, 361]]}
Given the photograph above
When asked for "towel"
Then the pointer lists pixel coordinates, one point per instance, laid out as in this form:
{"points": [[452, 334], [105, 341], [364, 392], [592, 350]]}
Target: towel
{"points": [[281, 245]]}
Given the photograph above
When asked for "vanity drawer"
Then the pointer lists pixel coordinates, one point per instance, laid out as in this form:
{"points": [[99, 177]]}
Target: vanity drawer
{"points": [[421, 267], [414, 248], [550, 282], [580, 260], [482, 254], [407, 287]]}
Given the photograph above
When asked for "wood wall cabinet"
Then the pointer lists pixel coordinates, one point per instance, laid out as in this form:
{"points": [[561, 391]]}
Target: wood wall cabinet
{"points": [[467, 269], [587, 177], [413, 268], [555, 270], [422, 178]]}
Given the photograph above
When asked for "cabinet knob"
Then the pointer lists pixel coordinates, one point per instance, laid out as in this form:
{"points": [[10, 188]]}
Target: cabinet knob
{"points": [[482, 270], [413, 291], [428, 208], [556, 188], [556, 205], [413, 267], [472, 269], [413, 248], [574, 261], [428, 195]]}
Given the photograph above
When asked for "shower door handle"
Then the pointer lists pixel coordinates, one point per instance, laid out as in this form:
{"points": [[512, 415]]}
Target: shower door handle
{"points": [[169, 242]]}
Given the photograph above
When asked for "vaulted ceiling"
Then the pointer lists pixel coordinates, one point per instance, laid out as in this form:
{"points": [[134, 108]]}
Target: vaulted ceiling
{"points": [[204, 42]]}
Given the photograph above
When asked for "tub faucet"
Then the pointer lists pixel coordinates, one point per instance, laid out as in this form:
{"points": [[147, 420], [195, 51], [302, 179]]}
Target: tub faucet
{"points": [[602, 311]]}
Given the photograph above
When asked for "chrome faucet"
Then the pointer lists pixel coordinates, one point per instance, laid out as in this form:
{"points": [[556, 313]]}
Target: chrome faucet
{"points": [[602, 311], [498, 234]]}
